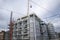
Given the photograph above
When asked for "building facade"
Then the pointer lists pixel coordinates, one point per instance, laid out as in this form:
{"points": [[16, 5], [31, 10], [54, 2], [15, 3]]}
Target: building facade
{"points": [[58, 35], [7, 36], [51, 32], [2, 35], [27, 28], [31, 28]]}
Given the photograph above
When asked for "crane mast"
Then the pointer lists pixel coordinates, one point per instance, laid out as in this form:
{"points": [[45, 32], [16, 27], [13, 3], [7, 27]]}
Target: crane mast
{"points": [[11, 26]]}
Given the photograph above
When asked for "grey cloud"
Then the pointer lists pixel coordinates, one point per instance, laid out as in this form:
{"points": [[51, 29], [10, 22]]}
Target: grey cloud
{"points": [[3, 16]]}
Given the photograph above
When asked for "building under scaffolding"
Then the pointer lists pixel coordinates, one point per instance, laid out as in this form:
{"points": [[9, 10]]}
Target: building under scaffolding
{"points": [[30, 28]]}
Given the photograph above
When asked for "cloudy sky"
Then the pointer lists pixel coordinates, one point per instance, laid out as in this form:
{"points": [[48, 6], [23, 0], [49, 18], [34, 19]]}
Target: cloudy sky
{"points": [[47, 10]]}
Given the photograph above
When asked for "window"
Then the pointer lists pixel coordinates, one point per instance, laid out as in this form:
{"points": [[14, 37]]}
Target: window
{"points": [[20, 23], [16, 25], [25, 31], [25, 22], [25, 35], [25, 26], [20, 28], [19, 32]]}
